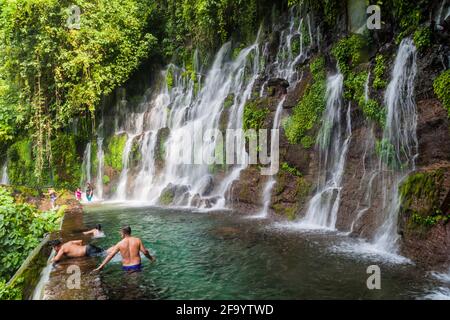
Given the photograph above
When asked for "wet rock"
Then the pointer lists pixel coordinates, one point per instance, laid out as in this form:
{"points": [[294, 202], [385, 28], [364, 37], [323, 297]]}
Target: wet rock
{"points": [[174, 194], [277, 87], [296, 94], [206, 186], [161, 139], [432, 129], [196, 200], [245, 195]]}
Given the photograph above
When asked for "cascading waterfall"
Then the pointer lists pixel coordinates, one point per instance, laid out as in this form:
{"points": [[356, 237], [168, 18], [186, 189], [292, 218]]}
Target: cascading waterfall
{"points": [[100, 166], [442, 14], [187, 108], [267, 192], [333, 141], [370, 169], [5, 179], [121, 193], [285, 67], [399, 146], [185, 113], [86, 166], [224, 78]]}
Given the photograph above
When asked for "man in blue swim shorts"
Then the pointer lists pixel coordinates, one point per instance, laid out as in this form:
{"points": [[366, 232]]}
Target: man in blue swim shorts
{"points": [[129, 248]]}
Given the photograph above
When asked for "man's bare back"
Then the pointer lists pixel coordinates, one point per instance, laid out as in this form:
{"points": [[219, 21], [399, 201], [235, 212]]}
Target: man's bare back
{"points": [[74, 249], [71, 249], [130, 249]]}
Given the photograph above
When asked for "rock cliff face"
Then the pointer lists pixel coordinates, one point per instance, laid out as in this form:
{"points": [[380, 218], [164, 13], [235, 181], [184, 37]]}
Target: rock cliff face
{"points": [[423, 221]]}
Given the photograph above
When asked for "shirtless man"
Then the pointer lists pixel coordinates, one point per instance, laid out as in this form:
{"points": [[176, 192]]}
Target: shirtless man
{"points": [[96, 232], [129, 248], [73, 249]]}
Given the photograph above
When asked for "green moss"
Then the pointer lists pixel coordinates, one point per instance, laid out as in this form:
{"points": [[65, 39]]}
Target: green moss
{"points": [[354, 86], [20, 163], [441, 87], [421, 195], [293, 171], [372, 110], [379, 81], [349, 52], [307, 142], [66, 165], [422, 38], [229, 100], [106, 180], [166, 197], [254, 115], [307, 113], [114, 151], [169, 78]]}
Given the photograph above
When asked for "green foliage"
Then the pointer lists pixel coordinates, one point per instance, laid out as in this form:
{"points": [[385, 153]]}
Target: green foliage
{"points": [[441, 87], [291, 170], [61, 73], [372, 110], [254, 116], [349, 52], [66, 161], [106, 180], [114, 150], [307, 142], [20, 160], [308, 111], [354, 84], [206, 24], [21, 228], [422, 38], [408, 14], [379, 81], [12, 291]]}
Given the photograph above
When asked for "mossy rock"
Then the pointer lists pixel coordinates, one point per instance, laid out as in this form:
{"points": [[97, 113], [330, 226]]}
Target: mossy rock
{"points": [[422, 197], [114, 151]]}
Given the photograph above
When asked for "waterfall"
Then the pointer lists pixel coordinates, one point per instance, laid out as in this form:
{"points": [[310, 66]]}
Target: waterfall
{"points": [[287, 59], [439, 18], [86, 166], [399, 146], [285, 67], [189, 109], [267, 192], [368, 178], [121, 192], [100, 167], [333, 141], [5, 179]]}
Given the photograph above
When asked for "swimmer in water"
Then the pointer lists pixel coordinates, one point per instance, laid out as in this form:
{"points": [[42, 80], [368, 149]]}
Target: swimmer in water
{"points": [[129, 248], [96, 232], [73, 249]]}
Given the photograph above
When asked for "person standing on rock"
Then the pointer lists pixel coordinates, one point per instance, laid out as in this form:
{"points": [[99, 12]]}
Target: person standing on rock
{"points": [[129, 248]]}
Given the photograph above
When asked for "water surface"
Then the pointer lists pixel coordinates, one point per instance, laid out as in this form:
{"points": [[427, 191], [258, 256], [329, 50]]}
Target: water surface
{"points": [[222, 255]]}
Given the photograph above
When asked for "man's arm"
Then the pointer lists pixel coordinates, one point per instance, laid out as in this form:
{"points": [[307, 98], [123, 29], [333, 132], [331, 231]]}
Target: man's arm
{"points": [[146, 252], [89, 232], [58, 256], [111, 253]]}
